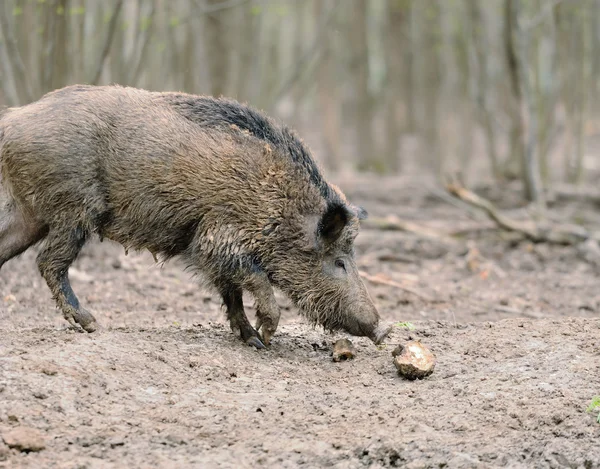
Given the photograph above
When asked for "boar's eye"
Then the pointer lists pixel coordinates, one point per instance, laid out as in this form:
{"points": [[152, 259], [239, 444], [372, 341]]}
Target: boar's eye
{"points": [[339, 263]]}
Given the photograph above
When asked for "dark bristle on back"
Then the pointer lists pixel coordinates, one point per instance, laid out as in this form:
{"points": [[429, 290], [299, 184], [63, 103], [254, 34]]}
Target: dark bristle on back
{"points": [[211, 112]]}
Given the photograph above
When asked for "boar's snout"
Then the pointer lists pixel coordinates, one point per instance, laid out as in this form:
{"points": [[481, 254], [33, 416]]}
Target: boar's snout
{"points": [[380, 333], [363, 320]]}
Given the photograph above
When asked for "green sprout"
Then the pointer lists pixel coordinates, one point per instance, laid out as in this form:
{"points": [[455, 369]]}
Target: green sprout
{"points": [[405, 325], [595, 405]]}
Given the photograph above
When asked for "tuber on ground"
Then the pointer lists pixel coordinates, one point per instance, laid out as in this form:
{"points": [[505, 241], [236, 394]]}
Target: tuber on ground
{"points": [[413, 360]]}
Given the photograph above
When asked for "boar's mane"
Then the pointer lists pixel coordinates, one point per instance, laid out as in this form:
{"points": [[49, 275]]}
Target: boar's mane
{"points": [[222, 112]]}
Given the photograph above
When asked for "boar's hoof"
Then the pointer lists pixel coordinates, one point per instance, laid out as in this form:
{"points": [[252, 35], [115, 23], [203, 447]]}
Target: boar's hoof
{"points": [[248, 334], [380, 333], [265, 336], [255, 342], [85, 320]]}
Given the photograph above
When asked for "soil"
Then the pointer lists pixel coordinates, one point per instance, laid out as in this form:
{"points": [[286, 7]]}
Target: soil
{"points": [[515, 329]]}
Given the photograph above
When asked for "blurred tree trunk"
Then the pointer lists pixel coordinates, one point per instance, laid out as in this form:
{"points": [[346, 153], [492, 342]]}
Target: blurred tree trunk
{"points": [[397, 77], [246, 47], [13, 65], [271, 73], [431, 84], [532, 180], [359, 71], [142, 32], [79, 45], [301, 38], [114, 63], [546, 87], [594, 31], [217, 57], [467, 85], [96, 60], [573, 50], [516, 149], [60, 56], [328, 94], [482, 84], [409, 69]]}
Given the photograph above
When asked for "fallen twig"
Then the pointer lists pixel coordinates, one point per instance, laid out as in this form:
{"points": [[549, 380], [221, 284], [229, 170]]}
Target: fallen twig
{"points": [[393, 223], [378, 279]]}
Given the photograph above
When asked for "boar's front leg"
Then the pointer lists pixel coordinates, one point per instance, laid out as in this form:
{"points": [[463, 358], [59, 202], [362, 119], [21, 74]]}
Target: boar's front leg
{"points": [[267, 310], [59, 251], [232, 298]]}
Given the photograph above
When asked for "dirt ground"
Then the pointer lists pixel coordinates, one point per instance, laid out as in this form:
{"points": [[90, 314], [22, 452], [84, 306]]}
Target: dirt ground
{"points": [[515, 328]]}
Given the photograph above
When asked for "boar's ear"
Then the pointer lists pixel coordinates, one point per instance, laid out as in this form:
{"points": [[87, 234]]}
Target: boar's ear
{"points": [[361, 213], [333, 222]]}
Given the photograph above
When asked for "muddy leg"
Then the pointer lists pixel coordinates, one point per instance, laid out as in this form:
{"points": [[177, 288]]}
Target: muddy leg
{"points": [[232, 297], [16, 232], [267, 310], [60, 250]]}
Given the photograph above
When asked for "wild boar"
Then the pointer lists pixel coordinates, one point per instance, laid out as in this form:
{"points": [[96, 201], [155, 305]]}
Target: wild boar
{"points": [[232, 192]]}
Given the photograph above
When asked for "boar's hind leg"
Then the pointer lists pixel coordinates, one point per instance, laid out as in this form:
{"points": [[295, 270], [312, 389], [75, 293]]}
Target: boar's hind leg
{"points": [[60, 249], [16, 232], [267, 310], [232, 297]]}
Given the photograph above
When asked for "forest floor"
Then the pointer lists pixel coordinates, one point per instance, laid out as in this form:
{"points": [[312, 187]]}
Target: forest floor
{"points": [[515, 328]]}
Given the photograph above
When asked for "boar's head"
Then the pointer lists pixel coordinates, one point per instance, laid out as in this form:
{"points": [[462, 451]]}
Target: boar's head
{"points": [[315, 265]]}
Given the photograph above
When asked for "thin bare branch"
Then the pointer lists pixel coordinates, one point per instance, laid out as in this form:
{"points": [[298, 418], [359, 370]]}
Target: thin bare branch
{"points": [[112, 27], [545, 12], [555, 234], [295, 74], [379, 279], [142, 46], [393, 223], [204, 9], [50, 45], [7, 78]]}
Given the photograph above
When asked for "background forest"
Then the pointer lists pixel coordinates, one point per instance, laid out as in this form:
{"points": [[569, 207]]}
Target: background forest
{"points": [[494, 89]]}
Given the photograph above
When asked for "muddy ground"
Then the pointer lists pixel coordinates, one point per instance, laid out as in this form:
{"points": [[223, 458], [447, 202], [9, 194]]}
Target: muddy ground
{"points": [[515, 327]]}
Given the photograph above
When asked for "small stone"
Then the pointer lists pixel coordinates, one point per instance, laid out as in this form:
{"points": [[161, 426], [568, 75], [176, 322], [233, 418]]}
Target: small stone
{"points": [[24, 439], [49, 369], [413, 360], [174, 439], [343, 349], [115, 442]]}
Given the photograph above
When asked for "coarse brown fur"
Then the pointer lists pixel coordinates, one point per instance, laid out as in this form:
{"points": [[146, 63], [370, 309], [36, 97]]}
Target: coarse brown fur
{"points": [[235, 194]]}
